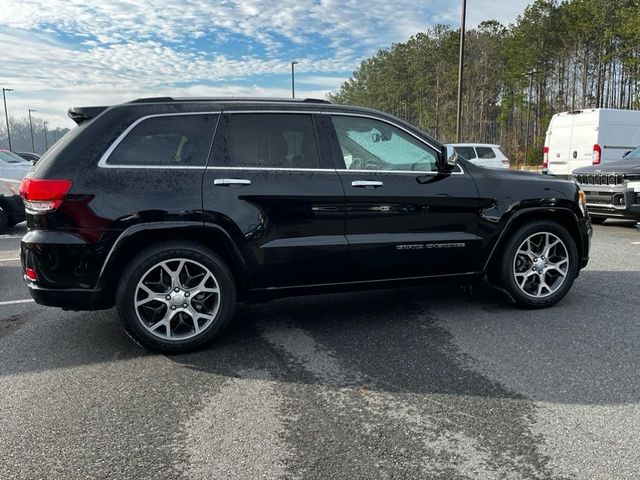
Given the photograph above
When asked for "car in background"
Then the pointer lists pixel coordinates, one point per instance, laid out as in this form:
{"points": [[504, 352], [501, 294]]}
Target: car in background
{"points": [[595, 136], [13, 168], [612, 189], [29, 156], [486, 155]]}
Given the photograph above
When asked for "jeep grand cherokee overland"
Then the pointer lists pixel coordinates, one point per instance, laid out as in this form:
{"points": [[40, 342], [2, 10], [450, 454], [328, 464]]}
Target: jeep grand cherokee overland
{"points": [[173, 210]]}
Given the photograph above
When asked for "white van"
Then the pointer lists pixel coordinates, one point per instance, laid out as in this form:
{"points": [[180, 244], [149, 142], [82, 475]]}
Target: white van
{"points": [[589, 137]]}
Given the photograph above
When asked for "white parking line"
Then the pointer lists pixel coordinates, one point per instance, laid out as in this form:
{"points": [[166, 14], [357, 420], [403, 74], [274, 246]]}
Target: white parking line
{"points": [[635, 243], [2, 237], [14, 302], [9, 259]]}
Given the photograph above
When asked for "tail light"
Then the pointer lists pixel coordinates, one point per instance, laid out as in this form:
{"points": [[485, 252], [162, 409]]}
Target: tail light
{"points": [[43, 195], [545, 157], [31, 274], [597, 155]]}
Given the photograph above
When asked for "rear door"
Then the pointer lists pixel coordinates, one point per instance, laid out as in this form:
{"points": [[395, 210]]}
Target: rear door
{"points": [[404, 219], [559, 144], [583, 137], [278, 193]]}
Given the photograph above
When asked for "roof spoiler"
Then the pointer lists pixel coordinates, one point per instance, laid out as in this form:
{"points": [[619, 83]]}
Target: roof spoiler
{"points": [[81, 115]]}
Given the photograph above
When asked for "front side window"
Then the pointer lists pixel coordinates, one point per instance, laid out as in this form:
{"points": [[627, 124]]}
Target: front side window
{"points": [[271, 140], [485, 152], [175, 140], [369, 144]]}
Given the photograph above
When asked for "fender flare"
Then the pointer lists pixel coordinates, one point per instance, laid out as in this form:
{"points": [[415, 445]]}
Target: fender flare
{"points": [[129, 232], [528, 211]]}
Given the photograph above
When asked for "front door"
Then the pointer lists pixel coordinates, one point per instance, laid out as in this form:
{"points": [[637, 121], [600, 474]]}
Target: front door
{"points": [[279, 194], [404, 218]]}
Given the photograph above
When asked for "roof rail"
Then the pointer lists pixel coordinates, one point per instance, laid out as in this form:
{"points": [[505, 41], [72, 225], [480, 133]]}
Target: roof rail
{"points": [[228, 99]]}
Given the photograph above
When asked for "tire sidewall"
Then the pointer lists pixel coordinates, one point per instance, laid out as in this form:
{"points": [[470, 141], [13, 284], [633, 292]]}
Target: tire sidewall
{"points": [[508, 279], [140, 266]]}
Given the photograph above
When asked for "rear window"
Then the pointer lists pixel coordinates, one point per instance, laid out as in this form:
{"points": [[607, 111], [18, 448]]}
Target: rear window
{"points": [[176, 140], [465, 152], [485, 152]]}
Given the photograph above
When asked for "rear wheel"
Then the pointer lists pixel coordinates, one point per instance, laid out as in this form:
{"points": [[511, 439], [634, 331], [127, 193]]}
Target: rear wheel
{"points": [[175, 297], [539, 264]]}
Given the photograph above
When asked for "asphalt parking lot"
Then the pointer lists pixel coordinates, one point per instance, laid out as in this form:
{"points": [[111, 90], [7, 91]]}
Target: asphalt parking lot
{"points": [[410, 383]]}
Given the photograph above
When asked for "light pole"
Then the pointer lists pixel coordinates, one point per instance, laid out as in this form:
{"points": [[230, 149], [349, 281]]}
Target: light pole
{"points": [[46, 141], [530, 74], [463, 22], [33, 143], [6, 115], [293, 79]]}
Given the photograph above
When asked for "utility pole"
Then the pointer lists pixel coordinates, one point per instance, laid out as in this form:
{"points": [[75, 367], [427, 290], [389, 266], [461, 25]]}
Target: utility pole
{"points": [[6, 115], [293, 79], [33, 143], [463, 22], [530, 74], [46, 141]]}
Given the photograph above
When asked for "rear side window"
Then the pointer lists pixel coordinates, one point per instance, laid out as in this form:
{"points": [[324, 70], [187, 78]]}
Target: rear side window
{"points": [[172, 140], [465, 152], [485, 152], [271, 140]]}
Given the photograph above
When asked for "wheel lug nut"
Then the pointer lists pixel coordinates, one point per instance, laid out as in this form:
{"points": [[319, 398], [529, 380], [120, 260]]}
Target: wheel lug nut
{"points": [[176, 289], [168, 297], [173, 307], [184, 305], [186, 294]]}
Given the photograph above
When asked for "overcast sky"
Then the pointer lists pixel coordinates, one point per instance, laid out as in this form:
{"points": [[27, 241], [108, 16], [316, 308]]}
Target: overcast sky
{"points": [[61, 53]]}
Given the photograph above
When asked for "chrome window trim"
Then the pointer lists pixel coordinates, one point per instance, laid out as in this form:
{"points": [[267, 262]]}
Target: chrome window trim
{"points": [[102, 163]]}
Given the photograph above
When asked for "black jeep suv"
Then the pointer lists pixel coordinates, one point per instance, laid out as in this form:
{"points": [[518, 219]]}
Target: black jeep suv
{"points": [[175, 209]]}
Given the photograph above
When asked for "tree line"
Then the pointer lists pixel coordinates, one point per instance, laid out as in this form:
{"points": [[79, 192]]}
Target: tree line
{"points": [[43, 135], [557, 56]]}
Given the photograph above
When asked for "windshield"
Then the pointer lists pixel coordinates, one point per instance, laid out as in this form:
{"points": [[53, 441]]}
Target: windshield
{"points": [[10, 157]]}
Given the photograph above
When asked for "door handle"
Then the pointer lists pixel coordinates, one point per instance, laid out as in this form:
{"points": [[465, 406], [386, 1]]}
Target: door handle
{"points": [[232, 181], [366, 184]]}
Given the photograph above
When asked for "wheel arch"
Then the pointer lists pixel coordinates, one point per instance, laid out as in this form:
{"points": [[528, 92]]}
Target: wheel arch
{"points": [[136, 238], [562, 216]]}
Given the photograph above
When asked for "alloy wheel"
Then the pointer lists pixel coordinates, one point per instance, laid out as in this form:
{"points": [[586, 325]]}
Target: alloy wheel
{"points": [[177, 299], [541, 264]]}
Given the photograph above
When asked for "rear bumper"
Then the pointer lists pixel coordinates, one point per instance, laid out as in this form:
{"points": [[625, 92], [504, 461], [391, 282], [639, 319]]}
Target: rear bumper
{"points": [[613, 202], [70, 299], [67, 267]]}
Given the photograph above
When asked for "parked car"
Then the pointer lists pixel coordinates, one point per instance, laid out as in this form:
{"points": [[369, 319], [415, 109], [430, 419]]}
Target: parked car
{"points": [[482, 154], [612, 189], [581, 138], [29, 156], [174, 210], [12, 169]]}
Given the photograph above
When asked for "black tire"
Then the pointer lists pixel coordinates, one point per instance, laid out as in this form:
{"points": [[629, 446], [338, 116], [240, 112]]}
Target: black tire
{"points": [[507, 278], [141, 265], [598, 220], [4, 220]]}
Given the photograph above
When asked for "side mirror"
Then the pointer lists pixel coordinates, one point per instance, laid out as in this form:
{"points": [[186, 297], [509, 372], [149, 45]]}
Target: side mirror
{"points": [[451, 160]]}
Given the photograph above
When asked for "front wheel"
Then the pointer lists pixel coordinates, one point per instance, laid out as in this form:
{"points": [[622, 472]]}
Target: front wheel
{"points": [[175, 297], [539, 264]]}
